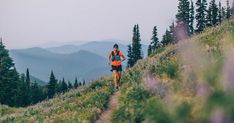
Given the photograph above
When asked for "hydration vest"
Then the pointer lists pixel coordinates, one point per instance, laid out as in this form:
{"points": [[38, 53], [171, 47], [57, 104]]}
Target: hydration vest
{"points": [[117, 57]]}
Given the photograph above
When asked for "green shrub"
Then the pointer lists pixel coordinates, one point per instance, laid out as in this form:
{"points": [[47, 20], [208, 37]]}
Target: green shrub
{"points": [[157, 112]]}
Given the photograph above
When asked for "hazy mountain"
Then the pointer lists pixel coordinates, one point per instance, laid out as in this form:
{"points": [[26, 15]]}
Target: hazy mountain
{"points": [[101, 48], [79, 64]]}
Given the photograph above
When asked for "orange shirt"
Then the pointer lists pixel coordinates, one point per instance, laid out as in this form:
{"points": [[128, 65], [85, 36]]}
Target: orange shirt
{"points": [[115, 62]]}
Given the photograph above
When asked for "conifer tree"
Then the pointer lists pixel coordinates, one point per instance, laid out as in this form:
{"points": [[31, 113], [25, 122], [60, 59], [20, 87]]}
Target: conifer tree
{"points": [[154, 40], [27, 88], [84, 83], [223, 13], [172, 30], [232, 10], [36, 93], [183, 13], [80, 84], [76, 83], [149, 50], [213, 13], [52, 85], [228, 10], [136, 45], [69, 85], [191, 18], [201, 15], [64, 86], [130, 56], [167, 38], [220, 12], [9, 78], [209, 17]]}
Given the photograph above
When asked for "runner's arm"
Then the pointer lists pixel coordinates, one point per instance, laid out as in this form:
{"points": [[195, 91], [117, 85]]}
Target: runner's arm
{"points": [[109, 58], [123, 57]]}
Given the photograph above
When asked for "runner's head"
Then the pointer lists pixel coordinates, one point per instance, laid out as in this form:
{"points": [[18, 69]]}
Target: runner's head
{"points": [[116, 47]]}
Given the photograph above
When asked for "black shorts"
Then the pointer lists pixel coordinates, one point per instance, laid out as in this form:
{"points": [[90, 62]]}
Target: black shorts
{"points": [[117, 68]]}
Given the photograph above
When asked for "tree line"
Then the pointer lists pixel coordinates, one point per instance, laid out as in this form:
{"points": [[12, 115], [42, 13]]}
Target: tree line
{"points": [[190, 18], [193, 19], [19, 91]]}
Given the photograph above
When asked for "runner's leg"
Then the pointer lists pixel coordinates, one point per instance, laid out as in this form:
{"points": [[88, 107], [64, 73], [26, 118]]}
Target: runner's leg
{"points": [[115, 77], [119, 78]]}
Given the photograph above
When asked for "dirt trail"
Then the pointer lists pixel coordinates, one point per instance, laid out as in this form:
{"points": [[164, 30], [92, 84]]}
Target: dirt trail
{"points": [[112, 106]]}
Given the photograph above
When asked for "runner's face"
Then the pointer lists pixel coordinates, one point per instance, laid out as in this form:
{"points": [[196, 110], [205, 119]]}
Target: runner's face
{"points": [[115, 49]]}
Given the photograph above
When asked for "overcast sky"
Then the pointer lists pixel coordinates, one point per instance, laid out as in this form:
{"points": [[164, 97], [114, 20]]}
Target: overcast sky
{"points": [[27, 23]]}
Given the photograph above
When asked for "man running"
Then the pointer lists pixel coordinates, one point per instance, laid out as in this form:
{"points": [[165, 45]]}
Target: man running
{"points": [[116, 58]]}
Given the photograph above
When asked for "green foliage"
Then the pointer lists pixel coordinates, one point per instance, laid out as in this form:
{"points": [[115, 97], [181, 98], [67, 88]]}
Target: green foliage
{"points": [[183, 12], [191, 18], [9, 78], [183, 112], [74, 106], [212, 16], [134, 50], [157, 51], [228, 10], [52, 85], [168, 38], [131, 109], [155, 111], [201, 14], [168, 65], [76, 85]]}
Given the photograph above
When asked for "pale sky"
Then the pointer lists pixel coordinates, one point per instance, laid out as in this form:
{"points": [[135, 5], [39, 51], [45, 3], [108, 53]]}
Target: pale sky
{"points": [[27, 23]]}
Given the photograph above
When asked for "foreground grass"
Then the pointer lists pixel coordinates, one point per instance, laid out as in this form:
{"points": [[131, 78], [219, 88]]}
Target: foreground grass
{"points": [[83, 105]]}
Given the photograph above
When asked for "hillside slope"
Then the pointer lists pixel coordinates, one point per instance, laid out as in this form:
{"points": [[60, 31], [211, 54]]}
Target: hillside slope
{"points": [[190, 82], [80, 105]]}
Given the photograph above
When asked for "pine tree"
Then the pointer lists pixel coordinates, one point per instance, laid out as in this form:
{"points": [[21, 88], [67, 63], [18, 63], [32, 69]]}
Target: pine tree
{"points": [[14, 77], [84, 82], [172, 30], [228, 10], [183, 13], [213, 11], [223, 13], [149, 50], [191, 18], [167, 38], [76, 83], [130, 56], [155, 44], [201, 14], [80, 84], [136, 45], [27, 88], [9, 78], [220, 13], [69, 85], [21, 92], [64, 86], [52, 85], [232, 10], [36, 93], [209, 17]]}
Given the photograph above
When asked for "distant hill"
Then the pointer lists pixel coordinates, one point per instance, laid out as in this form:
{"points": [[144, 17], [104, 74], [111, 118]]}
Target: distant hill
{"points": [[101, 48], [78, 64]]}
